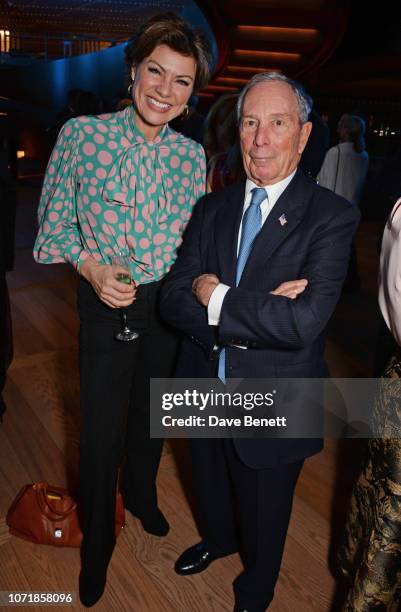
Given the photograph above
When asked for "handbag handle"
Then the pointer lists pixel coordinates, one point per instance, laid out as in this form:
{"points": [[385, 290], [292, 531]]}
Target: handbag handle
{"points": [[46, 506]]}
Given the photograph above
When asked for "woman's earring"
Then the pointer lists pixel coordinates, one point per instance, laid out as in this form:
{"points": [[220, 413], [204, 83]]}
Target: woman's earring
{"points": [[185, 112], [130, 88]]}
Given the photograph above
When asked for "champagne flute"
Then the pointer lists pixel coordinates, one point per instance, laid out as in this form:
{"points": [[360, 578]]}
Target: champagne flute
{"points": [[123, 261]]}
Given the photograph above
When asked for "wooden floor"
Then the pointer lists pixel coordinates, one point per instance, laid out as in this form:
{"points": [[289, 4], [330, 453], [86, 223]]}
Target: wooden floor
{"points": [[38, 441]]}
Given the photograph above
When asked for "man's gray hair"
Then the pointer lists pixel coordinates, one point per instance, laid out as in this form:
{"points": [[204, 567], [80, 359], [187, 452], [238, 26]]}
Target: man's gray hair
{"points": [[305, 102]]}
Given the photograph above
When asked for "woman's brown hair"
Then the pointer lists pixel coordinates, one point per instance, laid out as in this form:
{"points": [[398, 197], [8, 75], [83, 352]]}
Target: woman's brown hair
{"points": [[171, 30]]}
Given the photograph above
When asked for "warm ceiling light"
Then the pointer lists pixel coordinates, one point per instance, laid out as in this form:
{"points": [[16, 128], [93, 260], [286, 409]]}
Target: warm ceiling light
{"points": [[221, 88], [20, 154], [249, 69], [243, 28], [283, 34], [4, 41], [231, 81], [269, 55]]}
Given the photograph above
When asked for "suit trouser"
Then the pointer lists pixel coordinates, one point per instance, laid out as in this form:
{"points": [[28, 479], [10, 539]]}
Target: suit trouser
{"points": [[246, 510], [115, 414]]}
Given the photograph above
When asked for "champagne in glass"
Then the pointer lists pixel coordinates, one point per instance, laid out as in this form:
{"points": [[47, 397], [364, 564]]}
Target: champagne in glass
{"points": [[124, 277], [123, 261]]}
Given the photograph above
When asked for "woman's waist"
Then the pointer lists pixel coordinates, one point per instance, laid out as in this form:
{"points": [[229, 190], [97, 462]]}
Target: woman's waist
{"points": [[92, 309]]}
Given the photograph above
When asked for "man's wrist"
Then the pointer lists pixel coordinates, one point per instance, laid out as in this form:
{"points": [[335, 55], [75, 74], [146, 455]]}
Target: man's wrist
{"points": [[211, 290], [215, 303]]}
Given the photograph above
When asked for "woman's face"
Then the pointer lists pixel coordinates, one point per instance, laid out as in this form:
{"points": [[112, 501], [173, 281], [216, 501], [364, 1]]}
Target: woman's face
{"points": [[163, 83]]}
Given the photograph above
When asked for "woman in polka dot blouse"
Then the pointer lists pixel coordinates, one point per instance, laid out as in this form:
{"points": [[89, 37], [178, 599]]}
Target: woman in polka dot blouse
{"points": [[124, 183]]}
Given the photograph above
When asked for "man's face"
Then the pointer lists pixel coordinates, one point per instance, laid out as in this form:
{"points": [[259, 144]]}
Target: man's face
{"points": [[272, 138]]}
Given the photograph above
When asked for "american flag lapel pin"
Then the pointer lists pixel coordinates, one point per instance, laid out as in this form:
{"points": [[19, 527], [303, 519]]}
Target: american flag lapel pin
{"points": [[282, 220]]}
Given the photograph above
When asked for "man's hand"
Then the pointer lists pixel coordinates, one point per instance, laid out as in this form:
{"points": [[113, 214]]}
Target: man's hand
{"points": [[291, 289], [203, 287], [103, 280]]}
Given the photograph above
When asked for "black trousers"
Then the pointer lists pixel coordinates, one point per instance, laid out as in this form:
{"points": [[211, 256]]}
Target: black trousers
{"points": [[115, 414], [246, 510]]}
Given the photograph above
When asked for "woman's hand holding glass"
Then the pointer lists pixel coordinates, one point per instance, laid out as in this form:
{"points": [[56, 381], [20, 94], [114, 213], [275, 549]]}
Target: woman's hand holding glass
{"points": [[104, 280], [121, 265]]}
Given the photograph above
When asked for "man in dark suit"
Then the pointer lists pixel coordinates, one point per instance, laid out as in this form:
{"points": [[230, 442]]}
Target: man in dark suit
{"points": [[228, 293]]}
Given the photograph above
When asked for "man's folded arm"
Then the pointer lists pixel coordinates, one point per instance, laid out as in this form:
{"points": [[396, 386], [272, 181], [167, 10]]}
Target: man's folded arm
{"points": [[257, 319]]}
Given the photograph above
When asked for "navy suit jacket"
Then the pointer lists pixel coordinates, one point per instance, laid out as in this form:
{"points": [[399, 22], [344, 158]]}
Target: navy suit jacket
{"points": [[284, 338]]}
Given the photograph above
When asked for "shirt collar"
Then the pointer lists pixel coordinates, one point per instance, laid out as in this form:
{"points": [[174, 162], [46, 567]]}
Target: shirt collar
{"points": [[273, 191]]}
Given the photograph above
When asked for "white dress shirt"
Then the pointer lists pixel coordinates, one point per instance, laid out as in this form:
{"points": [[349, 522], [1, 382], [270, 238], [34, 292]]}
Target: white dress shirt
{"points": [[273, 194]]}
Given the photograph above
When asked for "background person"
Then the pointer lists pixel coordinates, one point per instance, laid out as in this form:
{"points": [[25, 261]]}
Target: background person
{"points": [[371, 555], [7, 247], [222, 144], [344, 171], [124, 182], [316, 148], [345, 166], [220, 125]]}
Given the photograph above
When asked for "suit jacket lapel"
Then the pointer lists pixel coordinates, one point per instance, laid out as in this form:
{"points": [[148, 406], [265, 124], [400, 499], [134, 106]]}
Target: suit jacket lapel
{"points": [[290, 208], [228, 220]]}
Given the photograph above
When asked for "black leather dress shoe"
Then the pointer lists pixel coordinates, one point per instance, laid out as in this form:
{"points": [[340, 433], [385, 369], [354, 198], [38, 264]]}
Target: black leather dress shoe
{"points": [[154, 521], [241, 609], [248, 609], [195, 560]]}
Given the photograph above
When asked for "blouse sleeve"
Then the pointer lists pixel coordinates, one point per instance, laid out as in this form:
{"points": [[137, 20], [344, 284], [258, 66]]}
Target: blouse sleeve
{"points": [[59, 239], [199, 184]]}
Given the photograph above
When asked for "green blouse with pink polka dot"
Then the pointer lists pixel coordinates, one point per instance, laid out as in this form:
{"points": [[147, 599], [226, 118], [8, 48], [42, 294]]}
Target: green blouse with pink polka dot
{"points": [[107, 191]]}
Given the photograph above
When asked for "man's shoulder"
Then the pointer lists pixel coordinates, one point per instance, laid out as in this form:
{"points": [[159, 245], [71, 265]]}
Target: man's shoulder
{"points": [[219, 197], [331, 203]]}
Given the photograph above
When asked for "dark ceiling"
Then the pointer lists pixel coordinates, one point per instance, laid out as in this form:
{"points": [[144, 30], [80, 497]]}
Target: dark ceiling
{"points": [[368, 61], [348, 47], [292, 36], [104, 19]]}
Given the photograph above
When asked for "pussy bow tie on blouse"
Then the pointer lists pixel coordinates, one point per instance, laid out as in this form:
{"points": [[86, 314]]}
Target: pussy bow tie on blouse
{"points": [[139, 173]]}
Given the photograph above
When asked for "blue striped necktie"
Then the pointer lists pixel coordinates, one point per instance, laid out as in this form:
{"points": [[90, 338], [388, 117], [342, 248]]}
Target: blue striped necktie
{"points": [[251, 226]]}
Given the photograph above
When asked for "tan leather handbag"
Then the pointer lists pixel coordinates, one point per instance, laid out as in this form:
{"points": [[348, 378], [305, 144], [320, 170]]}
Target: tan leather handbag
{"points": [[45, 514]]}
